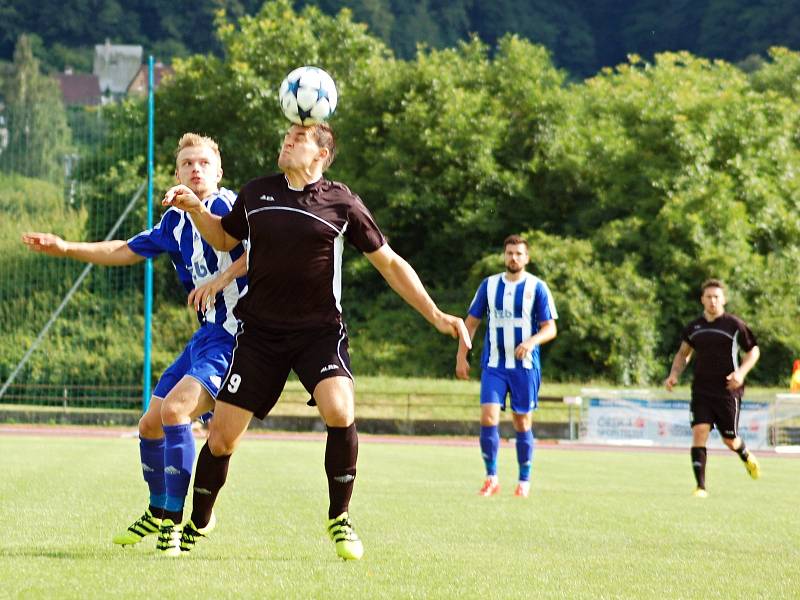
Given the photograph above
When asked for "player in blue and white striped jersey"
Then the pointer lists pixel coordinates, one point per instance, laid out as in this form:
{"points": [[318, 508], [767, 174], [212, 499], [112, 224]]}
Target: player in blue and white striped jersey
{"points": [[521, 317], [187, 389]]}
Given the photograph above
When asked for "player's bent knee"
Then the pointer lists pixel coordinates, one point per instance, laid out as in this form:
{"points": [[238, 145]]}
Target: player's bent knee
{"points": [[731, 442], [150, 426], [177, 411], [338, 419], [219, 445]]}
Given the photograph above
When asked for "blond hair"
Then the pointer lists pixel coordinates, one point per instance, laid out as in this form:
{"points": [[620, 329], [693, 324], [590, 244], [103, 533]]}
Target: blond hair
{"points": [[189, 140]]}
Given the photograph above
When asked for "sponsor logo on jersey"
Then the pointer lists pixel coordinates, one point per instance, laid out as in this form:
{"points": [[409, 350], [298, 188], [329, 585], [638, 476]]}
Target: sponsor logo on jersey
{"points": [[267, 198]]}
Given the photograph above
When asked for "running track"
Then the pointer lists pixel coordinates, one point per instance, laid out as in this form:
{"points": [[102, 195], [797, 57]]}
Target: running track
{"points": [[128, 432]]}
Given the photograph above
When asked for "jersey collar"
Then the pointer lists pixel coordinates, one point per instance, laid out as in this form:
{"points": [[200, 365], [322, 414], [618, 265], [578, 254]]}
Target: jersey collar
{"points": [[308, 185]]}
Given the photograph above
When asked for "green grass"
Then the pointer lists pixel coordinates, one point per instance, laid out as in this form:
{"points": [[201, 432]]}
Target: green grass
{"points": [[598, 524]]}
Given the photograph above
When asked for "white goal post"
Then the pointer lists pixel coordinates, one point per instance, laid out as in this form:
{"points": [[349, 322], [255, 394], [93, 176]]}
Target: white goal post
{"points": [[785, 421]]}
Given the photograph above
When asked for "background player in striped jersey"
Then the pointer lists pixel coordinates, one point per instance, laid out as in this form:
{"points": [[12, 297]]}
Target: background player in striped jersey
{"points": [[297, 222], [521, 317], [716, 339], [188, 387]]}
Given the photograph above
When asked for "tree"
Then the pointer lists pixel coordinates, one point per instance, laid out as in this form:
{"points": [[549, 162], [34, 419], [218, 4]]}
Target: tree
{"points": [[38, 135]]}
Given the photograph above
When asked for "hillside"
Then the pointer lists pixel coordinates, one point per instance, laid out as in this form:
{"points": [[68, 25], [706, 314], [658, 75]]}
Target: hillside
{"points": [[582, 36]]}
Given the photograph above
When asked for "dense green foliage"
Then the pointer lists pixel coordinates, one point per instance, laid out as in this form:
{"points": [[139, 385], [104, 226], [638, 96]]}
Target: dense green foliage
{"points": [[587, 531], [583, 36], [632, 186], [34, 118]]}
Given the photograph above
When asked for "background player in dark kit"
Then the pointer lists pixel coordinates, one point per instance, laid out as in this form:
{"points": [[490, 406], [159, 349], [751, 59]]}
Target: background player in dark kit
{"points": [[716, 338]]}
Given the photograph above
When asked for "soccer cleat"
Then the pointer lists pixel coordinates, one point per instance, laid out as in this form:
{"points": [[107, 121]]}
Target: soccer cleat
{"points": [[751, 464], [144, 526], [348, 544], [169, 538], [700, 493], [191, 534], [523, 489], [490, 487]]}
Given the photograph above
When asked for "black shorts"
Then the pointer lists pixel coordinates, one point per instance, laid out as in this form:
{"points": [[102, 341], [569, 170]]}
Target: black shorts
{"points": [[262, 359], [721, 412]]}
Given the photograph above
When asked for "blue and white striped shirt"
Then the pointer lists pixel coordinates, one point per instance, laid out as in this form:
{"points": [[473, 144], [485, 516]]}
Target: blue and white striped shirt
{"points": [[514, 310], [195, 260]]}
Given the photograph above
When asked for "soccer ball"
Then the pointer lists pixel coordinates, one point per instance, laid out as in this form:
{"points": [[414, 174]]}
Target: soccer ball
{"points": [[308, 96]]}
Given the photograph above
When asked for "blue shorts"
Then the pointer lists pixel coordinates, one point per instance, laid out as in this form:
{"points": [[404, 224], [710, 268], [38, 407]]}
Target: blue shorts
{"points": [[205, 358], [522, 384]]}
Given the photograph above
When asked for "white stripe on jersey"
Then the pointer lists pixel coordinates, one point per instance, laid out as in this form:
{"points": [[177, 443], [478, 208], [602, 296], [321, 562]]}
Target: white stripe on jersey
{"points": [[178, 231], [297, 210], [202, 273], [338, 249], [491, 292], [528, 296]]}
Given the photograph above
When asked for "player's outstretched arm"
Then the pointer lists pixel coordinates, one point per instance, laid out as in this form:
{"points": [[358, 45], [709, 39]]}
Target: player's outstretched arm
{"points": [[462, 362], [110, 253], [202, 297], [682, 357], [402, 278], [208, 224]]}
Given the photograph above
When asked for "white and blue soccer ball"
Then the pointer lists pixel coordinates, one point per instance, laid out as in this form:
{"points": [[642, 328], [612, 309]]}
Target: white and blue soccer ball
{"points": [[308, 96]]}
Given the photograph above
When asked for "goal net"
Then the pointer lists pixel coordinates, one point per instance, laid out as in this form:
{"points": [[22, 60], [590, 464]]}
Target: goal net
{"points": [[785, 420], [73, 334]]}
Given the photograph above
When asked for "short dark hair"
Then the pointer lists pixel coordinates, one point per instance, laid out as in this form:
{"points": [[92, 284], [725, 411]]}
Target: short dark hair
{"points": [[515, 239], [323, 136], [715, 283]]}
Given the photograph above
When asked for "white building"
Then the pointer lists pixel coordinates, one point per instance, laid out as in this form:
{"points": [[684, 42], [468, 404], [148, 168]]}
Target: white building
{"points": [[115, 66]]}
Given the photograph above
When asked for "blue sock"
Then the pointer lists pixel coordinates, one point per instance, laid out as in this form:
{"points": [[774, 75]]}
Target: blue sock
{"points": [[490, 442], [525, 454], [179, 453], [152, 455]]}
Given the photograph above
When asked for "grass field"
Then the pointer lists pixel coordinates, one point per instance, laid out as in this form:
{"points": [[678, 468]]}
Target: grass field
{"points": [[599, 524]]}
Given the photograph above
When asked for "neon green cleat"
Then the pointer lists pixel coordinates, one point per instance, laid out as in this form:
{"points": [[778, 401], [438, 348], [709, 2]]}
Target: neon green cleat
{"points": [[146, 524], [191, 534], [169, 539], [752, 466], [700, 493], [348, 544]]}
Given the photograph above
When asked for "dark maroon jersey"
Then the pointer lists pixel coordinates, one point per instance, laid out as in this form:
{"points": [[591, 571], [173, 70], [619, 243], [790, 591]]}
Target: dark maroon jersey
{"points": [[296, 238], [716, 346]]}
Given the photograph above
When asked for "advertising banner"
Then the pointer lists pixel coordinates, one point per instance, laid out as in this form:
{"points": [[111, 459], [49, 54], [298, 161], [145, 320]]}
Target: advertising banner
{"points": [[639, 421]]}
